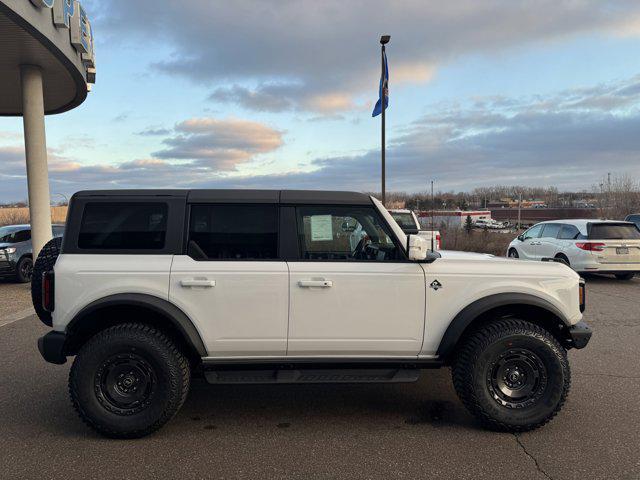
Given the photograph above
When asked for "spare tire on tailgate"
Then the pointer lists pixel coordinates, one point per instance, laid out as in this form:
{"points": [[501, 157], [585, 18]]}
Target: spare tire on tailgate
{"points": [[44, 263]]}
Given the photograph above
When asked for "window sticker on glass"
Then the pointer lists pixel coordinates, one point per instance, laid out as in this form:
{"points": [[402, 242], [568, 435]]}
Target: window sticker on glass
{"points": [[321, 228]]}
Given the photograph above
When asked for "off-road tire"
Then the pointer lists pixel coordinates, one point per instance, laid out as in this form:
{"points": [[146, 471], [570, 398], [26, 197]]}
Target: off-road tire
{"points": [[476, 359], [625, 276], [44, 263], [24, 270], [165, 363]]}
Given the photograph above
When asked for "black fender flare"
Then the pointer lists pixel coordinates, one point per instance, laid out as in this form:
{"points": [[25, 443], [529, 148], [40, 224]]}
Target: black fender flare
{"points": [[176, 316], [472, 311]]}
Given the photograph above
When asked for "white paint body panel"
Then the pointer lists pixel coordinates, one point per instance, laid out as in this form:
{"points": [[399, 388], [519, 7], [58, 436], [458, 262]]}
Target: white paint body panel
{"points": [[82, 279], [244, 314], [467, 277], [258, 309], [370, 309]]}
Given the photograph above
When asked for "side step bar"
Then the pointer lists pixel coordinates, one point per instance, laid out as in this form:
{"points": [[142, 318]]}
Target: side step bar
{"points": [[338, 375]]}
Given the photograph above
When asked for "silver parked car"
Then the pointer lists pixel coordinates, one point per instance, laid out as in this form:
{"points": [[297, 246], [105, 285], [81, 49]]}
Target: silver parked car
{"points": [[16, 251], [589, 246]]}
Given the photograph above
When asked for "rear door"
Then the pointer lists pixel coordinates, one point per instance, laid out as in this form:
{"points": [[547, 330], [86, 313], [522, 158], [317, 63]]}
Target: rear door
{"points": [[620, 242], [353, 294], [231, 281]]}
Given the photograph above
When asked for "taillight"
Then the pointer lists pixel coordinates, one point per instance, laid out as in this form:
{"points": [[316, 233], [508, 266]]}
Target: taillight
{"points": [[438, 241], [582, 294], [590, 246], [48, 285]]}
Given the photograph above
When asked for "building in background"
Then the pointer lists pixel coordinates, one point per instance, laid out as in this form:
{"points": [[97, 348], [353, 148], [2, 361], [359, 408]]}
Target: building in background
{"points": [[451, 218], [47, 66]]}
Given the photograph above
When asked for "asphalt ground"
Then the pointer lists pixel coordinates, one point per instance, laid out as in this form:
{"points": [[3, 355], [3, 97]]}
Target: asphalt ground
{"points": [[412, 431]]}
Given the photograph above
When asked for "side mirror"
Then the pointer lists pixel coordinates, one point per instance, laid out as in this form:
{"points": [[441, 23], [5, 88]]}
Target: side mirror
{"points": [[521, 237], [417, 248]]}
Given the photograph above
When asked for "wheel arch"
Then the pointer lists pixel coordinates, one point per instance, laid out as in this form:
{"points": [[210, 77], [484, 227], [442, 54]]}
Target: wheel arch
{"points": [[522, 305], [128, 307]]}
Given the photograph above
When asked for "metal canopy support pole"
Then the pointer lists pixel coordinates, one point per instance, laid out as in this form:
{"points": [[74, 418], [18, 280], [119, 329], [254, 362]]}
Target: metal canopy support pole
{"points": [[36, 156]]}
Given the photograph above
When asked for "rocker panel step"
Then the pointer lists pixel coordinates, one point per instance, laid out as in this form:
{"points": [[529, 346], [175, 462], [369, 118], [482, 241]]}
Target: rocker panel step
{"points": [[368, 375]]}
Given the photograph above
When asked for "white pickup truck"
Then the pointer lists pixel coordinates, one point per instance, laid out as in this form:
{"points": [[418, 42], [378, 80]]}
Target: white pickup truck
{"points": [[409, 223], [150, 287]]}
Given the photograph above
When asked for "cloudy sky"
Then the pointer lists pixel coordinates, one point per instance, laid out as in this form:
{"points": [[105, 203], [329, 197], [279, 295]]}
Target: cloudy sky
{"points": [[278, 94]]}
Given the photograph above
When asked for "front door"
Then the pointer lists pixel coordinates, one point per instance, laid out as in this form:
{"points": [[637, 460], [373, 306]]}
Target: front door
{"points": [[530, 243], [231, 283], [352, 292]]}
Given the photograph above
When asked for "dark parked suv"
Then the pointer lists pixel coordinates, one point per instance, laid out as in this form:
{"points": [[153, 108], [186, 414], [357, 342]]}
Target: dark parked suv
{"points": [[16, 251]]}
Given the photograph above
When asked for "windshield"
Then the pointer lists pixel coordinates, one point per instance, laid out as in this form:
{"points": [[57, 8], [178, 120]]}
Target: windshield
{"points": [[402, 238], [405, 220], [614, 231], [8, 234]]}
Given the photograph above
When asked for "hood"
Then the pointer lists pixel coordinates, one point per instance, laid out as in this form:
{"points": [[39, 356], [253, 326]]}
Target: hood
{"points": [[456, 255], [508, 266], [5, 245]]}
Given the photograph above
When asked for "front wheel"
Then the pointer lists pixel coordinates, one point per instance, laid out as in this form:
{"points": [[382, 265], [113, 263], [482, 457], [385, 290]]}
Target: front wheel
{"points": [[512, 375], [128, 381], [24, 270], [513, 253]]}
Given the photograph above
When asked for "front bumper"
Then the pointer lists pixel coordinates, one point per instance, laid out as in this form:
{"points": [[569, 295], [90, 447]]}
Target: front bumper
{"points": [[579, 335], [52, 347], [7, 267]]}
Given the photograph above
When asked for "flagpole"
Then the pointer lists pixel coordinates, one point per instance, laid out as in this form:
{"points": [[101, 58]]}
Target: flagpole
{"points": [[383, 140], [384, 39]]}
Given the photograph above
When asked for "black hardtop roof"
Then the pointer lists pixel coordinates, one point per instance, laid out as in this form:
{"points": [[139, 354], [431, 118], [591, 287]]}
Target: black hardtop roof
{"points": [[308, 197]]}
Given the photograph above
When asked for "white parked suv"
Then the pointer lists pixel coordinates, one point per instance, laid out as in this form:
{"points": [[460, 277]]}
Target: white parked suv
{"points": [[150, 288], [589, 246]]}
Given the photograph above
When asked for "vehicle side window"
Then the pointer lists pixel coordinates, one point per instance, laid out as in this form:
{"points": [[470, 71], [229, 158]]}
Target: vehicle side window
{"points": [[569, 232], [533, 232], [123, 226], [551, 230], [233, 232], [58, 231], [22, 236], [344, 233]]}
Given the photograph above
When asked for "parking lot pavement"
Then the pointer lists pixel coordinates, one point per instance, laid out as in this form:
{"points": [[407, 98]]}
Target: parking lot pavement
{"points": [[335, 431], [15, 301]]}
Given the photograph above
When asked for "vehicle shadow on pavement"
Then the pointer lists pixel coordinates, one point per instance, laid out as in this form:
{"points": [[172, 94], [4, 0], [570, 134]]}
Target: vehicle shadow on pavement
{"points": [[430, 401]]}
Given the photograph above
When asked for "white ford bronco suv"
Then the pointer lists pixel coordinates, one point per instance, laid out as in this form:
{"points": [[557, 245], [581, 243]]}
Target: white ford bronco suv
{"points": [[149, 288]]}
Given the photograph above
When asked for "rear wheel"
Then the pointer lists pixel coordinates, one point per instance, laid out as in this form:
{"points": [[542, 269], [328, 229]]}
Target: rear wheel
{"points": [[24, 270], [128, 381], [625, 276], [513, 253], [512, 375], [563, 259]]}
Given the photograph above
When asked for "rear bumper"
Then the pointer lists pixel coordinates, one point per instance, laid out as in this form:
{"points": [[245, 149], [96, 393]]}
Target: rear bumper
{"points": [[52, 347], [579, 335]]}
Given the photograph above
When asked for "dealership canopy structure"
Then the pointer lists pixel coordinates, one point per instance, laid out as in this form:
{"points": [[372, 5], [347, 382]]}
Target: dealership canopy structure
{"points": [[47, 66]]}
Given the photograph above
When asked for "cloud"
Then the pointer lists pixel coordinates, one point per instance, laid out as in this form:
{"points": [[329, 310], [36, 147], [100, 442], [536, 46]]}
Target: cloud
{"points": [[154, 132], [272, 55], [219, 145], [540, 140]]}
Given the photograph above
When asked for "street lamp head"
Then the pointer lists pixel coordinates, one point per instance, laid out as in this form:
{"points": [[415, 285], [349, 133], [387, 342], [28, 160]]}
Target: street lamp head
{"points": [[384, 39]]}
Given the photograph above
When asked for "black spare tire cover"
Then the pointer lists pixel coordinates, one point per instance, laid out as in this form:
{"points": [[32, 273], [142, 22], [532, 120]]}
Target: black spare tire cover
{"points": [[44, 263]]}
